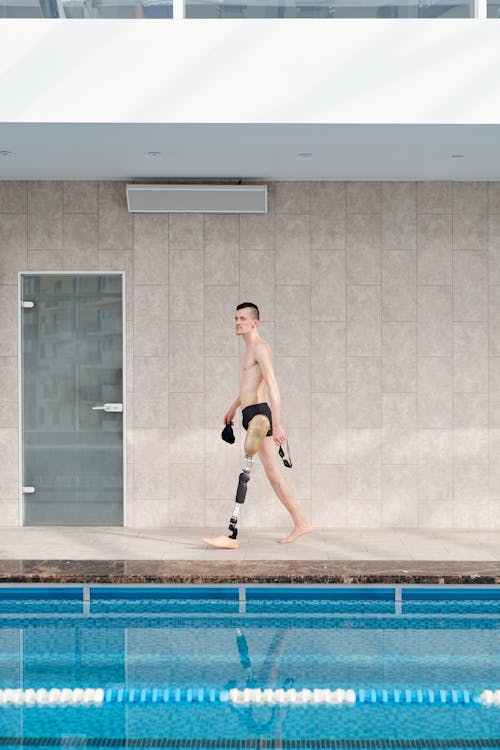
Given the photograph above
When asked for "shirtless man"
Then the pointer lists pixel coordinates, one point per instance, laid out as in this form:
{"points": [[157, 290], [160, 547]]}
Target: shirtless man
{"points": [[257, 372]]}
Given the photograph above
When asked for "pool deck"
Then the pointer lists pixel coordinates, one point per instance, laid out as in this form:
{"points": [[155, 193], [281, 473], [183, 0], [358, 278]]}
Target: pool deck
{"points": [[176, 555]]}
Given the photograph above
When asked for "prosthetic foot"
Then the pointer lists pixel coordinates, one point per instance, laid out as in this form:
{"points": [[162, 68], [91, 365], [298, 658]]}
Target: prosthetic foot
{"points": [[256, 433]]}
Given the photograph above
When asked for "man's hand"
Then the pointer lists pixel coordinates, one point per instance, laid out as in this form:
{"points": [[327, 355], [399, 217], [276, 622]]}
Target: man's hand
{"points": [[229, 416], [279, 436]]}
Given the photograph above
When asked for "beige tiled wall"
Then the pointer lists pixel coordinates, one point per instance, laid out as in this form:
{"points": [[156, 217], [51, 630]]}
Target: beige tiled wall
{"points": [[381, 302]]}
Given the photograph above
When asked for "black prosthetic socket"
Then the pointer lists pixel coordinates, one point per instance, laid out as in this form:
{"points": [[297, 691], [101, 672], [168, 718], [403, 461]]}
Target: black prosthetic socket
{"points": [[242, 487]]}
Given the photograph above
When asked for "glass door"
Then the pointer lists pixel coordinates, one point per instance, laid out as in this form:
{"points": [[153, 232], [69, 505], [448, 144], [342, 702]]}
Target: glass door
{"points": [[72, 399]]}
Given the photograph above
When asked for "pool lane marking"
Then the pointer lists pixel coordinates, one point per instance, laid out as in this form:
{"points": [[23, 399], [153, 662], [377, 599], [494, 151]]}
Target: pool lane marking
{"points": [[248, 696]]}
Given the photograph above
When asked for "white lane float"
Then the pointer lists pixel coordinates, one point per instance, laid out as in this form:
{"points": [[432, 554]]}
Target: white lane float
{"points": [[52, 698], [490, 697], [279, 696]]}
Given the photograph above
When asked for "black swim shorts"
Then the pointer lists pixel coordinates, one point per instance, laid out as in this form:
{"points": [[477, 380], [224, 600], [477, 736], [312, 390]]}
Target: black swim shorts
{"points": [[250, 411]]}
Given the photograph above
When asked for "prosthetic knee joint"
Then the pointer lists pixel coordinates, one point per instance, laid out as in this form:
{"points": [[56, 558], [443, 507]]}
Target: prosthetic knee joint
{"points": [[257, 430]]}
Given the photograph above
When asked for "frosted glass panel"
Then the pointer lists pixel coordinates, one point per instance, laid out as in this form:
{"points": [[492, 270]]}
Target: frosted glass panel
{"points": [[72, 362]]}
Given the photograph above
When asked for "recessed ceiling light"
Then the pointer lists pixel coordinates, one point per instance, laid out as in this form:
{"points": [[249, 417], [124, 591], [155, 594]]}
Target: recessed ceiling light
{"points": [[305, 156], [457, 156], [5, 154], [153, 154]]}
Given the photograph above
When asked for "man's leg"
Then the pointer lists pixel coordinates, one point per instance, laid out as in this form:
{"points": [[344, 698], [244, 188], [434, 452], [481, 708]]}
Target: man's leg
{"points": [[270, 461], [256, 435]]}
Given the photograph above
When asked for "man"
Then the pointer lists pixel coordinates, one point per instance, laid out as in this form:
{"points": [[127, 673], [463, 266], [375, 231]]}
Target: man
{"points": [[262, 422]]}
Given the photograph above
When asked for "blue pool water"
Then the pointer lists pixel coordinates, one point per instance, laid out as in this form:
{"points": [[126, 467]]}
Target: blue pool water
{"points": [[167, 659]]}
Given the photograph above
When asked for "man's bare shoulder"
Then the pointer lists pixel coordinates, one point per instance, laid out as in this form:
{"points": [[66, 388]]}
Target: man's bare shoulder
{"points": [[262, 349]]}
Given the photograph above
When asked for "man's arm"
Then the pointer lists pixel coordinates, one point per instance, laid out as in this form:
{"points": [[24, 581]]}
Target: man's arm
{"points": [[231, 412], [263, 357]]}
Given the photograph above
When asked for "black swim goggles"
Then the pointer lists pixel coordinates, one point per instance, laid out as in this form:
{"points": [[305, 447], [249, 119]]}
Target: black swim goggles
{"points": [[287, 463]]}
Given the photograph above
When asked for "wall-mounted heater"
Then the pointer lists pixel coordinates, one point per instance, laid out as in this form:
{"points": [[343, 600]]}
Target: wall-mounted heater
{"points": [[219, 199]]}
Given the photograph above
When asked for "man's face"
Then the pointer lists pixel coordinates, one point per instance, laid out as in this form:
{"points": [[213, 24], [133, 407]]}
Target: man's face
{"points": [[243, 321]]}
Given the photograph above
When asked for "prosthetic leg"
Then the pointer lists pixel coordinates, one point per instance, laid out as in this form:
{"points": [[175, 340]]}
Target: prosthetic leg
{"points": [[257, 430]]}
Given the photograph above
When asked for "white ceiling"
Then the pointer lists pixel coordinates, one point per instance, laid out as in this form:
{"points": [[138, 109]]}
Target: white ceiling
{"points": [[119, 151]]}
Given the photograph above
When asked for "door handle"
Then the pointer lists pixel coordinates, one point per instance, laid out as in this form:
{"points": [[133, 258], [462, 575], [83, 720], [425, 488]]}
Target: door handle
{"points": [[108, 407]]}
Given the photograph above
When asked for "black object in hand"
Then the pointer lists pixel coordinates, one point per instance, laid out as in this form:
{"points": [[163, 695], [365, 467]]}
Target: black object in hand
{"points": [[227, 433]]}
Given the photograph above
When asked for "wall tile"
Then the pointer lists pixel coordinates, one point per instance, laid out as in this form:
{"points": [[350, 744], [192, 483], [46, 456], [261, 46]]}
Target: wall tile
{"points": [[435, 446], [221, 249], [115, 228], [151, 248], [13, 196], [44, 215], [494, 197], [400, 507], [470, 231], [364, 446], [399, 231], [186, 353], [434, 197], [399, 444], [80, 242], [364, 482], [471, 484], [9, 469], [293, 249], [186, 285], [9, 392], [435, 403], [363, 254], [470, 357], [364, 394], [257, 231], [185, 231], [187, 493], [435, 515], [151, 392], [151, 455], [470, 286], [328, 357], [328, 428], [257, 281], [187, 432], [329, 493], [434, 257], [222, 376], [9, 510], [399, 197], [470, 197], [399, 286], [435, 481], [494, 321], [150, 321], [45, 260], [293, 375], [293, 197], [435, 330], [399, 357], [363, 197], [293, 321], [8, 319], [220, 304], [151, 514], [80, 197], [327, 285], [14, 246], [328, 232], [363, 321], [328, 198]]}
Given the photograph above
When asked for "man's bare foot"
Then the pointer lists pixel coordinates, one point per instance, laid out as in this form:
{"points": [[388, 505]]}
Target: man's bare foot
{"points": [[221, 542], [295, 533]]}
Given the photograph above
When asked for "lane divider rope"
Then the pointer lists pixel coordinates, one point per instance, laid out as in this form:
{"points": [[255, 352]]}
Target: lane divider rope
{"points": [[248, 696]]}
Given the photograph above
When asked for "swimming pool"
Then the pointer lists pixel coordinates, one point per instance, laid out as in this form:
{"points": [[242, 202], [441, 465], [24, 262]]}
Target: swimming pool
{"points": [[249, 667]]}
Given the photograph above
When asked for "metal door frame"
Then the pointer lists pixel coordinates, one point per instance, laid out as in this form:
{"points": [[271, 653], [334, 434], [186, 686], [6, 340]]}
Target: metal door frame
{"points": [[21, 274]]}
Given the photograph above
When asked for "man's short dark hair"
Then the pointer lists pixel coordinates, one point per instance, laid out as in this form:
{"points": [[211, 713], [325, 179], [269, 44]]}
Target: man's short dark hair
{"points": [[255, 310]]}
